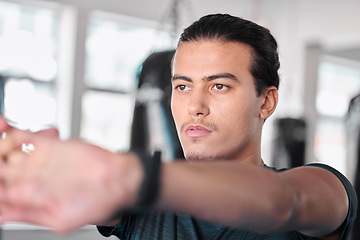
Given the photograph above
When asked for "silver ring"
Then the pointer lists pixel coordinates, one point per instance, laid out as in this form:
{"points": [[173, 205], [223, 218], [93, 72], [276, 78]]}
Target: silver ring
{"points": [[27, 148]]}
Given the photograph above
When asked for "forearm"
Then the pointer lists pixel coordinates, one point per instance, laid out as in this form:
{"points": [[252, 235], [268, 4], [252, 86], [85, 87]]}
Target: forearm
{"points": [[126, 169], [252, 197], [233, 194]]}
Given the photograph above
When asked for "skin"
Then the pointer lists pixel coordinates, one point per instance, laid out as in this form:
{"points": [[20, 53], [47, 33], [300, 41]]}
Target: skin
{"points": [[62, 184], [214, 101], [219, 119], [219, 116]]}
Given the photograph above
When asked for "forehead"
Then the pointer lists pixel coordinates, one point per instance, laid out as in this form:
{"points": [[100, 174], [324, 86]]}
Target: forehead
{"points": [[214, 56]]}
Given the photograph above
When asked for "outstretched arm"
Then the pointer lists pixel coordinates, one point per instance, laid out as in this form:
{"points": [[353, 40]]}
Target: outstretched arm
{"points": [[67, 184], [307, 199], [62, 185]]}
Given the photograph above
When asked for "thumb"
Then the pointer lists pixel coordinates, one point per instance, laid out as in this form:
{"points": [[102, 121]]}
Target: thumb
{"points": [[51, 132], [19, 137]]}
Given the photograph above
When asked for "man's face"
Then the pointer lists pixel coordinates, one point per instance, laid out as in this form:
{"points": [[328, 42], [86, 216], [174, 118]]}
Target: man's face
{"points": [[214, 102]]}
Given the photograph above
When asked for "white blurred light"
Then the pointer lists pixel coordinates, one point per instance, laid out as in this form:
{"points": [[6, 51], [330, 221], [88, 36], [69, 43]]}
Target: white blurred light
{"points": [[26, 107], [108, 126], [332, 103], [333, 155], [22, 54]]}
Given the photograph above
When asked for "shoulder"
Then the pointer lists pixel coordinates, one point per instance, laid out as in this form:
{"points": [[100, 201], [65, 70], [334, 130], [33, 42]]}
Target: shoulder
{"points": [[351, 195], [330, 190], [327, 173]]}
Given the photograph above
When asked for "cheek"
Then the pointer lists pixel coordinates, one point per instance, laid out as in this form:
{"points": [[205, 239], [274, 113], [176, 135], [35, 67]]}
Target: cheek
{"points": [[236, 119], [236, 122], [176, 110], [230, 110]]}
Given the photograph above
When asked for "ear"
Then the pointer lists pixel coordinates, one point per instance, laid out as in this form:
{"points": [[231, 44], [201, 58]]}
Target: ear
{"points": [[269, 102]]}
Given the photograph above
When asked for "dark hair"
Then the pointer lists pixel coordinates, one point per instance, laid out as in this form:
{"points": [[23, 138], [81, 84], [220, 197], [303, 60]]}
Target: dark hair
{"points": [[224, 27]]}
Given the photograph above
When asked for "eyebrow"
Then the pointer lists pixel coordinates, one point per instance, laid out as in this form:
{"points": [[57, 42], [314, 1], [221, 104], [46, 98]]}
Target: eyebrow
{"points": [[207, 78], [179, 77]]}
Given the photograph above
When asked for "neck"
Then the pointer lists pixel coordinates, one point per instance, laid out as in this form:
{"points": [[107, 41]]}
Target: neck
{"points": [[253, 159]]}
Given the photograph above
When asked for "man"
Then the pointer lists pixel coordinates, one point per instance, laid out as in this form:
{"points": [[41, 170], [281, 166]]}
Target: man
{"points": [[224, 77]]}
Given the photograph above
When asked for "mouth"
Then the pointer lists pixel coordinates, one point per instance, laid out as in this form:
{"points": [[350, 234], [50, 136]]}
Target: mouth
{"points": [[196, 131]]}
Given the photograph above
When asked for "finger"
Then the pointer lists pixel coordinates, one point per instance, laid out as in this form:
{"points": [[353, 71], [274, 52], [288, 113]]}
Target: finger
{"points": [[11, 174], [2, 169], [13, 144], [22, 194], [16, 160], [13, 213], [20, 207], [36, 216], [6, 143], [3, 124], [51, 132], [15, 138]]}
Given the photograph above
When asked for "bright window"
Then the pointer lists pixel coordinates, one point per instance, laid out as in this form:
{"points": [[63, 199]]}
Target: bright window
{"points": [[115, 50], [338, 83], [28, 66]]}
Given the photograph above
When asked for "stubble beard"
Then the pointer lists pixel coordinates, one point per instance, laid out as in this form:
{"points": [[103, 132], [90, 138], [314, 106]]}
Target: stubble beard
{"points": [[202, 157]]}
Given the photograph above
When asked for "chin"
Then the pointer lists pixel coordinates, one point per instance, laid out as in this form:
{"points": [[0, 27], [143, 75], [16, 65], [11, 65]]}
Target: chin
{"points": [[197, 156], [199, 152]]}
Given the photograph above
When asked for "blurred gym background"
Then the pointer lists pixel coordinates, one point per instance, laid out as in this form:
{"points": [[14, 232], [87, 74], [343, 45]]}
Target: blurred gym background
{"points": [[99, 70]]}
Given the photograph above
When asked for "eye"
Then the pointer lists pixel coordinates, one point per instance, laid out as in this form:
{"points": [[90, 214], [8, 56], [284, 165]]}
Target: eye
{"points": [[220, 87], [182, 87]]}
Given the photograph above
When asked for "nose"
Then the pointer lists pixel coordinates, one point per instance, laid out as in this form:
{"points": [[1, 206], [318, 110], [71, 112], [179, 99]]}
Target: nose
{"points": [[198, 105]]}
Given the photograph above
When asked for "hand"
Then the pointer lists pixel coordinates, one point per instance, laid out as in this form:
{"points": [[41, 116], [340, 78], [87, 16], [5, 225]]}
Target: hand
{"points": [[63, 185]]}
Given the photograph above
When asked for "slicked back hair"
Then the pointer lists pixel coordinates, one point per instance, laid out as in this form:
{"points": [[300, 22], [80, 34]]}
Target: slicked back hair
{"points": [[227, 28]]}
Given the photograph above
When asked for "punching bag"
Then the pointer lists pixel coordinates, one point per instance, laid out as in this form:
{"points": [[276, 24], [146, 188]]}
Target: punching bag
{"points": [[153, 127], [289, 149]]}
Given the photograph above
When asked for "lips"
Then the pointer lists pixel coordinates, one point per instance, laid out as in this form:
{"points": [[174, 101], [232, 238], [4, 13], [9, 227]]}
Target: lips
{"points": [[196, 131]]}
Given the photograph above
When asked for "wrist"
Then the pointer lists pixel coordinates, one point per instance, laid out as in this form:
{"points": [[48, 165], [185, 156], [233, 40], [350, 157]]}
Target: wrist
{"points": [[140, 176], [129, 174]]}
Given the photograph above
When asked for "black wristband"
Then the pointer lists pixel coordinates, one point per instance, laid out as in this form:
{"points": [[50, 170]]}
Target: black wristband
{"points": [[149, 189]]}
